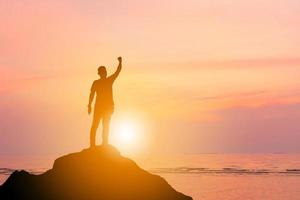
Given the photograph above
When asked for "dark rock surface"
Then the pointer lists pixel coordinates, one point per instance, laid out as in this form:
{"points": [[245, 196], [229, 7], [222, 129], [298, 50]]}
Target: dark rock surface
{"points": [[100, 173]]}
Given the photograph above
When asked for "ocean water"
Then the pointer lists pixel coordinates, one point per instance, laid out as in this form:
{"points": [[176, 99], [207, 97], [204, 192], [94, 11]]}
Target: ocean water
{"points": [[206, 176]]}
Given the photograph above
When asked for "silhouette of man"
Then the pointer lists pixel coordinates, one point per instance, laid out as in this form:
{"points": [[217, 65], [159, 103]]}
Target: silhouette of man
{"points": [[104, 105]]}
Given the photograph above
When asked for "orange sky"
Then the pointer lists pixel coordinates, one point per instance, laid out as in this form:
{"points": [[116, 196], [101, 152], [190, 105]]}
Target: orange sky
{"points": [[213, 76]]}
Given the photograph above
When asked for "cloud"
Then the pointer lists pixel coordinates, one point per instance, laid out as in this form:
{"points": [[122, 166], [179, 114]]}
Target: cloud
{"points": [[7, 86], [228, 96], [232, 63], [14, 79]]}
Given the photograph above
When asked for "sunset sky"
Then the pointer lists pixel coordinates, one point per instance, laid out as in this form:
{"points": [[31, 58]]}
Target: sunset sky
{"points": [[219, 76]]}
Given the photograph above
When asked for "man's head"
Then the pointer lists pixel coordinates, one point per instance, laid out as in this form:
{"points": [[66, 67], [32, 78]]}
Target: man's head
{"points": [[102, 72]]}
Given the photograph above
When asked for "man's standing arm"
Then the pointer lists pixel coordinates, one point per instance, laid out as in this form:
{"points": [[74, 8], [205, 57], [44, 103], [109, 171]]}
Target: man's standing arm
{"points": [[91, 98], [117, 72]]}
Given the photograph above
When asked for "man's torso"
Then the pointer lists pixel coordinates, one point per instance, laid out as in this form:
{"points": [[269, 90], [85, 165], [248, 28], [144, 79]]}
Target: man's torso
{"points": [[103, 88]]}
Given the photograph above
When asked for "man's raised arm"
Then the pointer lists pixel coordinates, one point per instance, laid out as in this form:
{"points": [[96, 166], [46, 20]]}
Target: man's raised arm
{"points": [[117, 72]]}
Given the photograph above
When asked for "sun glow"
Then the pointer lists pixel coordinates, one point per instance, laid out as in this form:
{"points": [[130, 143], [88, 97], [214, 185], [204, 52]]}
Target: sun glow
{"points": [[128, 135]]}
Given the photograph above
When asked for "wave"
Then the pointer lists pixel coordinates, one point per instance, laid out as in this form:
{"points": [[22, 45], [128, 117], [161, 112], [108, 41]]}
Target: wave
{"points": [[8, 171], [189, 170], [226, 170]]}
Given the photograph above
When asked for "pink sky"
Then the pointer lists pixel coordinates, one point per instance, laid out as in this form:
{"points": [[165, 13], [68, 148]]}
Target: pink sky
{"points": [[223, 75]]}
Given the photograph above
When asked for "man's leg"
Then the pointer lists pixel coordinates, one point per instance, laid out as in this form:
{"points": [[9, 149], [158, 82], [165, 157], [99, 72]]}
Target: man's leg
{"points": [[105, 125], [93, 131]]}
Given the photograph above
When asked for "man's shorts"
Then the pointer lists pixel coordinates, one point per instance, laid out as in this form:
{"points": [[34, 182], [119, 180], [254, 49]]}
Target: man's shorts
{"points": [[103, 111]]}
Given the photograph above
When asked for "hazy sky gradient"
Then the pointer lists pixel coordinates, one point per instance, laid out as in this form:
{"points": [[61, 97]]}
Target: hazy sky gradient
{"points": [[202, 76]]}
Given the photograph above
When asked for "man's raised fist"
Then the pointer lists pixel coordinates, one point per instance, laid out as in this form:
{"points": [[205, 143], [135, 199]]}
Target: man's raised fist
{"points": [[120, 59]]}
